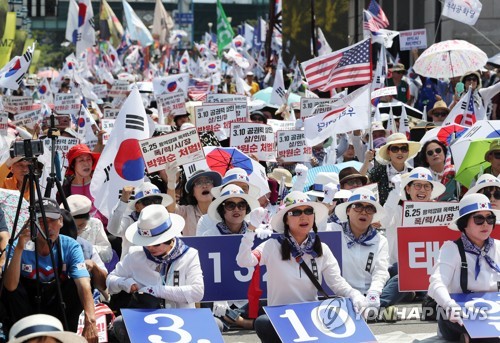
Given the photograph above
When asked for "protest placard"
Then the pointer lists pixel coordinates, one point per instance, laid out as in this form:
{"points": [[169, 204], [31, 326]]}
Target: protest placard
{"points": [[416, 213], [4, 120], [119, 89], [27, 119], [172, 103], [291, 146], [225, 98], [281, 125], [100, 90], [253, 138], [107, 125], [465, 11], [67, 103], [384, 92], [63, 144], [412, 39], [111, 113], [18, 104], [313, 106], [178, 147], [215, 117], [481, 314]]}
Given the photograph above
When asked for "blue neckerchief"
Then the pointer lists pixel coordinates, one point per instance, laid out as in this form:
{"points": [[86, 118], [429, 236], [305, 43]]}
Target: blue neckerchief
{"points": [[224, 230], [474, 250], [177, 251], [334, 219], [297, 250], [134, 215], [363, 239]]}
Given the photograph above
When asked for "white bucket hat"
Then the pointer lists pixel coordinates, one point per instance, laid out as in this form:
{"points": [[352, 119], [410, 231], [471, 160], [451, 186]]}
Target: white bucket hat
{"points": [[472, 203], [421, 174], [40, 325], [360, 195], [321, 180], [147, 189], [485, 180], [230, 191], [78, 204], [296, 199], [399, 138], [154, 226], [236, 175]]}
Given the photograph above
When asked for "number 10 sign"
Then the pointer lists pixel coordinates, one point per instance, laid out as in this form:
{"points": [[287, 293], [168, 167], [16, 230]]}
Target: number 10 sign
{"points": [[327, 321]]}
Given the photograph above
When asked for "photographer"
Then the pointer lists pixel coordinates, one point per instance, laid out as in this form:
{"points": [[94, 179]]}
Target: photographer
{"points": [[20, 277], [19, 167]]}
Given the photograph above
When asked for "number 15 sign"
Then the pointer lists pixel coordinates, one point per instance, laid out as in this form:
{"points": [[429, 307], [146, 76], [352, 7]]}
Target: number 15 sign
{"points": [[327, 321]]}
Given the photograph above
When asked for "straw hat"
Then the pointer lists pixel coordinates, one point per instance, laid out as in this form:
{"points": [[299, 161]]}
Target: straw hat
{"points": [[360, 195], [278, 173], [321, 180], [399, 138], [145, 190], [439, 105], [230, 191], [398, 67], [472, 203], [421, 174], [154, 226], [296, 199], [485, 180], [40, 325], [494, 146], [236, 175]]}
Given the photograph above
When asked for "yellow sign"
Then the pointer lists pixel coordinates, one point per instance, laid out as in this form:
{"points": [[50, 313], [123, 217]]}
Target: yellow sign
{"points": [[7, 42]]}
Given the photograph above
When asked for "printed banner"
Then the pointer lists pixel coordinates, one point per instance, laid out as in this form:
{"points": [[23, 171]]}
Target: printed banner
{"points": [[178, 147], [27, 119], [100, 90], [18, 104], [412, 39], [384, 92], [465, 11], [4, 120], [172, 103], [215, 117], [332, 320], [220, 97], [281, 125], [111, 113], [224, 279], [253, 138], [418, 214], [119, 89], [63, 144], [107, 125], [66, 103], [291, 146], [308, 105]]}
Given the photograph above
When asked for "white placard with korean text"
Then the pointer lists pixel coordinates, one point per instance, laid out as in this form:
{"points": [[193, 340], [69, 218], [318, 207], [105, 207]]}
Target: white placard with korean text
{"points": [[107, 125], [465, 11], [225, 98], [100, 90], [291, 146], [253, 138], [67, 103], [63, 144], [17, 104], [281, 125], [384, 92], [178, 147], [308, 105], [417, 214], [215, 117], [172, 103], [119, 89], [27, 119], [412, 39], [111, 113], [4, 120]]}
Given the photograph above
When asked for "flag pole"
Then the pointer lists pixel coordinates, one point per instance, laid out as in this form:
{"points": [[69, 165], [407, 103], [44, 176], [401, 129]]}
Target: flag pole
{"points": [[313, 30], [270, 30]]}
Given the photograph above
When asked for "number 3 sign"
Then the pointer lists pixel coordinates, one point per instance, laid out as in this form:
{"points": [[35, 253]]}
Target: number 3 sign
{"points": [[171, 325], [319, 322]]}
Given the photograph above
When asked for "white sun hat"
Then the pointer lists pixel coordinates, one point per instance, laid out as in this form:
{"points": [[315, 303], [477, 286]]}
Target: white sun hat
{"points": [[147, 189], [230, 191], [41, 325], [421, 174], [360, 195], [236, 175], [472, 203], [485, 180]]}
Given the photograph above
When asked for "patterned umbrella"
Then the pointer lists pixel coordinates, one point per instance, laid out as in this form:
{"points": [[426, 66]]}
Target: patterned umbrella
{"points": [[331, 168], [8, 203], [449, 59], [445, 133]]}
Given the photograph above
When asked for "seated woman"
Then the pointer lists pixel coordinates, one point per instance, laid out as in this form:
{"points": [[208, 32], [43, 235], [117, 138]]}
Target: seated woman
{"points": [[296, 223], [365, 254], [161, 265], [488, 185], [476, 220]]}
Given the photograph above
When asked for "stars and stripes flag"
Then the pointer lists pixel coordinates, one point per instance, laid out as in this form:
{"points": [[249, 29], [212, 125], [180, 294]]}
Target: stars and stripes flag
{"points": [[347, 67], [463, 113], [378, 14], [369, 23]]}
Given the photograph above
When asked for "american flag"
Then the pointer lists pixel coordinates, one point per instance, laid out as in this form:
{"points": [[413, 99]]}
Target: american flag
{"points": [[470, 115], [378, 14], [369, 22], [347, 67], [449, 169], [198, 90]]}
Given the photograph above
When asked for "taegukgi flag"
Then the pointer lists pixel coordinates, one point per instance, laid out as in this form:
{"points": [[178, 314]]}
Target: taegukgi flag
{"points": [[121, 163], [347, 114]]}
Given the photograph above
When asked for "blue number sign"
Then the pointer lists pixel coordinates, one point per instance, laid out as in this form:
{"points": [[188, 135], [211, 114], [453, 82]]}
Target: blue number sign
{"points": [[224, 280], [171, 325], [332, 319], [481, 313]]}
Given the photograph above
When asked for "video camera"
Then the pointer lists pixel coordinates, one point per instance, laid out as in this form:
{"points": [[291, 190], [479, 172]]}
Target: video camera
{"points": [[27, 148]]}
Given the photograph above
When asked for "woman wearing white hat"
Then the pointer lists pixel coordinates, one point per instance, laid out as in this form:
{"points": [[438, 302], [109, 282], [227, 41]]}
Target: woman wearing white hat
{"points": [[394, 154], [365, 254], [161, 265], [42, 328], [476, 220], [488, 185], [127, 211], [298, 241]]}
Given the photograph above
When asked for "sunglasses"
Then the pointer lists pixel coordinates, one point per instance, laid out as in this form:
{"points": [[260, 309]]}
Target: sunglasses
{"points": [[479, 219], [369, 209], [167, 243], [150, 201], [297, 213], [490, 191], [354, 182], [432, 152], [439, 114], [419, 186], [396, 149], [230, 205], [496, 154], [471, 79]]}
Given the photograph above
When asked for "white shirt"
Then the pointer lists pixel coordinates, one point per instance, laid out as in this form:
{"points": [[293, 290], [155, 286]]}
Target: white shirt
{"points": [[95, 234], [354, 263], [137, 268], [445, 278], [287, 283], [118, 223]]}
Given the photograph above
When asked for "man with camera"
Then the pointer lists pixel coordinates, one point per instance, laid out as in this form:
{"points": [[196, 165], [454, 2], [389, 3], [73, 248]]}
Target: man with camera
{"points": [[19, 167], [26, 293]]}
